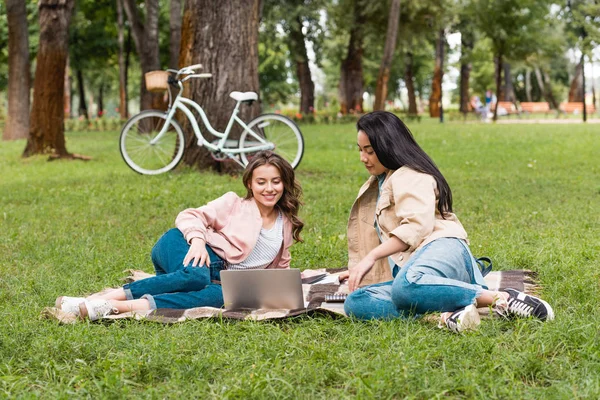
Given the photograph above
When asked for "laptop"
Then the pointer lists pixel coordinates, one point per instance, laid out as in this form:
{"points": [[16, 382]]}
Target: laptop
{"points": [[262, 288]]}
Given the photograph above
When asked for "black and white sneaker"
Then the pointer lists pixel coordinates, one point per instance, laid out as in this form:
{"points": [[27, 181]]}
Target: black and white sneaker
{"points": [[464, 319], [520, 304]]}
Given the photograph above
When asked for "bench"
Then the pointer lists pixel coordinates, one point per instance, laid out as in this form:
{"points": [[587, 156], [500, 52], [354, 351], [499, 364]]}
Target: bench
{"points": [[577, 108], [508, 107], [535, 107]]}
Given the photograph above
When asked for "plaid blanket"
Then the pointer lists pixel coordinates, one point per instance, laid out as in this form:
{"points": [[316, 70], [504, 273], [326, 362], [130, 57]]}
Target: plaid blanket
{"points": [[522, 280]]}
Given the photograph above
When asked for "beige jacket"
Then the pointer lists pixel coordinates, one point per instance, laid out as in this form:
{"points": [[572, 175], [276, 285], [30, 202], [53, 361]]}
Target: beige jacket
{"points": [[407, 209]]}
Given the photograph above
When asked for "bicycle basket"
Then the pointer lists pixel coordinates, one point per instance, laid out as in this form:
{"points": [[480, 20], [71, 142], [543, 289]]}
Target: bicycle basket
{"points": [[156, 81]]}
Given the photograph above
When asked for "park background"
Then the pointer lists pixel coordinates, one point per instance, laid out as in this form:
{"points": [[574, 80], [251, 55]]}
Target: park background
{"points": [[527, 193]]}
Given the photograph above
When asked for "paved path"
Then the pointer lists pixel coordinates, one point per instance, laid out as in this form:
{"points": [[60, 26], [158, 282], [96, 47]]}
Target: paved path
{"points": [[546, 121]]}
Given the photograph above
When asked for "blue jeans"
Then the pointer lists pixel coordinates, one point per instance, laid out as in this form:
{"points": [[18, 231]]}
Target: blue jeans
{"points": [[441, 276], [176, 285]]}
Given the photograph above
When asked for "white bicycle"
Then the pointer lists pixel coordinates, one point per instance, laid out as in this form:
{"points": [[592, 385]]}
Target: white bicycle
{"points": [[152, 142]]}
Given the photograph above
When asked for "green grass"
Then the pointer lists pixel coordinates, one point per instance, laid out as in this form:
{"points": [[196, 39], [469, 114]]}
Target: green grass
{"points": [[528, 195]]}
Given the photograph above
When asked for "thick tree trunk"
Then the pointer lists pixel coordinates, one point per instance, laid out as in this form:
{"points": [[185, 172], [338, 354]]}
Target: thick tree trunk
{"points": [[388, 53], [509, 90], [528, 84], [467, 43], [17, 124], [351, 73], [175, 33], [123, 111], [410, 84], [83, 110], [576, 89], [145, 38], [223, 37], [498, 83], [299, 54], [47, 126], [435, 99]]}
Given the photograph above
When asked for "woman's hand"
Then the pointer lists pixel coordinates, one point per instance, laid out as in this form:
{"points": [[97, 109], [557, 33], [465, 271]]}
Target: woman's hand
{"points": [[359, 271], [197, 253]]}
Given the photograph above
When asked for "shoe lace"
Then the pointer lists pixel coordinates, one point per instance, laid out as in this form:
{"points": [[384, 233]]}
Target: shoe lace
{"points": [[519, 308]]}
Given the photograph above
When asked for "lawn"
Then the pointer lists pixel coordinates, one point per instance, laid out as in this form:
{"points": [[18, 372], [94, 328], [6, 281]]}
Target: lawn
{"points": [[528, 195]]}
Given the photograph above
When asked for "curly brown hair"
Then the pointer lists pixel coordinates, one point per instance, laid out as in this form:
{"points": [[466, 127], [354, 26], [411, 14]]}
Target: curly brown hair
{"points": [[290, 202]]}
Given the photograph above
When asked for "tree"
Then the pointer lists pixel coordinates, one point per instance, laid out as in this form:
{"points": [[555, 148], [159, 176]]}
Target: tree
{"points": [[388, 53], [145, 38], [435, 98], [467, 42], [513, 27], [223, 37], [17, 124], [351, 70], [123, 62], [175, 33], [299, 22], [46, 134]]}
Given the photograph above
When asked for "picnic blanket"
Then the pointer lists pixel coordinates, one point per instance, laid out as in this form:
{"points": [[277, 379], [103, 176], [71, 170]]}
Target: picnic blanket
{"points": [[314, 294]]}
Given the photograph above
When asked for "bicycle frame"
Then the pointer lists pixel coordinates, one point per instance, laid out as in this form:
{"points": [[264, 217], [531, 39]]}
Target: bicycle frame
{"points": [[181, 103]]}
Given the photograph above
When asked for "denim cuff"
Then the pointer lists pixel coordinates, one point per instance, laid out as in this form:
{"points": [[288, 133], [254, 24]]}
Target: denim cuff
{"points": [[150, 300], [128, 294]]}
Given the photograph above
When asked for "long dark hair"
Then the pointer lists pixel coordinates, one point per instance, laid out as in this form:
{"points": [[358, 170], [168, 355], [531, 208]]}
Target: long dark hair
{"points": [[396, 147], [289, 203]]}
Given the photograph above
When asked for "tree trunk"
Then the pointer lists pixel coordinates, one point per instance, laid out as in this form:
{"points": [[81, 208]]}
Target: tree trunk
{"points": [[100, 112], [388, 53], [499, 93], [351, 72], [509, 91], [498, 84], [467, 42], [583, 86], [83, 110], [546, 87], [528, 84], [47, 126], [123, 112], [410, 84], [223, 37], [435, 99], [17, 123], [576, 90], [175, 38], [299, 54], [145, 38]]}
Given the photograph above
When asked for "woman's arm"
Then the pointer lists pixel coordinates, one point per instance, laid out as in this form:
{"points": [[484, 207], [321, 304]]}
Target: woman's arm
{"points": [[391, 246]]}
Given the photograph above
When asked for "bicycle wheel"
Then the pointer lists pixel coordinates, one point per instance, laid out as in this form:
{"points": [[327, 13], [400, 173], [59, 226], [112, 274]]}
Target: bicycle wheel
{"points": [[280, 131], [145, 157]]}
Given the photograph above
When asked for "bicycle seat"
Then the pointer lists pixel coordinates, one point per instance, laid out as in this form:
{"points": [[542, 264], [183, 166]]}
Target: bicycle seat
{"points": [[244, 96]]}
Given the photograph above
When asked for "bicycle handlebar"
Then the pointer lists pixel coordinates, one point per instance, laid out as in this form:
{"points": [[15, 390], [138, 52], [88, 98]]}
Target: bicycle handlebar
{"points": [[205, 75]]}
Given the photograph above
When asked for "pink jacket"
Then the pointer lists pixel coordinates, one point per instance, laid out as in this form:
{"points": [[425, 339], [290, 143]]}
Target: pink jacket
{"points": [[230, 225]]}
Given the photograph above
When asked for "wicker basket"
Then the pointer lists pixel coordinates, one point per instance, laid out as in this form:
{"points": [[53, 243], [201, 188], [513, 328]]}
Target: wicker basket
{"points": [[156, 81]]}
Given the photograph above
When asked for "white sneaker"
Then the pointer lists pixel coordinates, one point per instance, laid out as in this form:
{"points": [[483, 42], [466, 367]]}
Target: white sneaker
{"points": [[96, 309], [69, 304], [464, 319]]}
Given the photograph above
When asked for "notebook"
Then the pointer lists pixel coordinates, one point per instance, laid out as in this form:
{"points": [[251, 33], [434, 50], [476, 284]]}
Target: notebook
{"points": [[262, 288]]}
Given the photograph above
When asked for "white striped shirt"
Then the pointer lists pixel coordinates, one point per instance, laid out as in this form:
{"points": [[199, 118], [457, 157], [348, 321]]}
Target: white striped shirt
{"points": [[267, 247]]}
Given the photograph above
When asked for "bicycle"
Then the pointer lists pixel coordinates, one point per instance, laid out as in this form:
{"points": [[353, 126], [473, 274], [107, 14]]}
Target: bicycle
{"points": [[152, 142]]}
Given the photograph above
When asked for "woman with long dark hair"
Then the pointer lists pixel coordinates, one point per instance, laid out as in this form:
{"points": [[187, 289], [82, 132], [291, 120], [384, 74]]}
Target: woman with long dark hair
{"points": [[230, 232], [407, 250]]}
